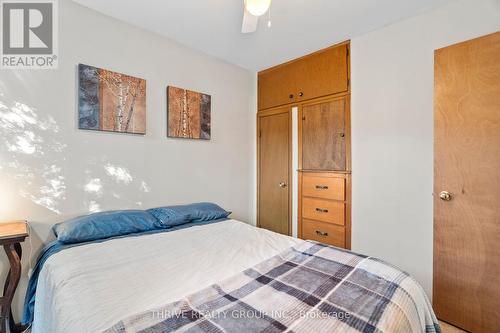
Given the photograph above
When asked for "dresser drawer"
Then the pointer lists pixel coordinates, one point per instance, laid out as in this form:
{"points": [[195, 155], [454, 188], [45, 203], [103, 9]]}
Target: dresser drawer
{"points": [[323, 210], [323, 187], [323, 232]]}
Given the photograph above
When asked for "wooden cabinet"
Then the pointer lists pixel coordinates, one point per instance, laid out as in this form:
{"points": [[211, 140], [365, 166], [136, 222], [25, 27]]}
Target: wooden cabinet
{"points": [[318, 84], [324, 207], [323, 73], [324, 135]]}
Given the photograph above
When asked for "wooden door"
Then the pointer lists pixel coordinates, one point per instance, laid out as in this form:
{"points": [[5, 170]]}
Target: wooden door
{"points": [[466, 288], [323, 135], [274, 145], [323, 73]]}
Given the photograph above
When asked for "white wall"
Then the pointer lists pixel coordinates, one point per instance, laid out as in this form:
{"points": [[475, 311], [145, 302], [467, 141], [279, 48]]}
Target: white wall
{"points": [[392, 131], [47, 164]]}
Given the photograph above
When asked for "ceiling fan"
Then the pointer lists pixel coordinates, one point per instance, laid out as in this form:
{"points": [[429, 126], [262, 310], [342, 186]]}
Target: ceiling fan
{"points": [[252, 10]]}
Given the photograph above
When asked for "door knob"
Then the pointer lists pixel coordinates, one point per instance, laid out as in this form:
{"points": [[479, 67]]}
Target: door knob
{"points": [[445, 196], [282, 184]]}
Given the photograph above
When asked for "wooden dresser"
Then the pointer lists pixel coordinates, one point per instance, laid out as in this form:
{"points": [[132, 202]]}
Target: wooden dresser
{"points": [[318, 85], [324, 171], [324, 211]]}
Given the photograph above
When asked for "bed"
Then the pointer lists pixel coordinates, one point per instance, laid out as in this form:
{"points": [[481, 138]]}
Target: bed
{"points": [[115, 284]]}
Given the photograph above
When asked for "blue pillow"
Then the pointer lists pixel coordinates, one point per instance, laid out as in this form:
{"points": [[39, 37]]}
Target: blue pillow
{"points": [[104, 225], [171, 216], [206, 211]]}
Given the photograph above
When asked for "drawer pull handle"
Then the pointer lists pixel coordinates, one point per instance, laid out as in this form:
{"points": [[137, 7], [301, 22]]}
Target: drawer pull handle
{"points": [[321, 233], [321, 210], [321, 187]]}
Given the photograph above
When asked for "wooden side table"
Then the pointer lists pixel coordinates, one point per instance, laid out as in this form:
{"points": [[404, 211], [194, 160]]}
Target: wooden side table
{"points": [[12, 234]]}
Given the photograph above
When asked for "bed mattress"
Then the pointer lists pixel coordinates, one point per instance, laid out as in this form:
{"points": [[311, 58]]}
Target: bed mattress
{"points": [[89, 288], [121, 285]]}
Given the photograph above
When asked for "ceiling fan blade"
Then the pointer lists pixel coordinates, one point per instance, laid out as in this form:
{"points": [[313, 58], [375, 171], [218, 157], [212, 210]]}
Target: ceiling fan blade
{"points": [[250, 22]]}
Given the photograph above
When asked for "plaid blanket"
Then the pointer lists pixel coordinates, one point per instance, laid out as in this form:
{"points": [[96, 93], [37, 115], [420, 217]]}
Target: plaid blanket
{"points": [[309, 288]]}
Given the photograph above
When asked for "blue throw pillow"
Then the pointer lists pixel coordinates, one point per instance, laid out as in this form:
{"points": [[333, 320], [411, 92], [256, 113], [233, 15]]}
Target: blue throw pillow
{"points": [[206, 211], [104, 225], [171, 216]]}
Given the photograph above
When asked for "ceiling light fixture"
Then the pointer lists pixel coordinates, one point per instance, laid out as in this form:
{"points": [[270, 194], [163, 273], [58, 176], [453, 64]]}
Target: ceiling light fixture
{"points": [[257, 7]]}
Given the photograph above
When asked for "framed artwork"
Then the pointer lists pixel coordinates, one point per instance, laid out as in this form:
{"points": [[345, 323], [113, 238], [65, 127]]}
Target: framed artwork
{"points": [[110, 101], [188, 114]]}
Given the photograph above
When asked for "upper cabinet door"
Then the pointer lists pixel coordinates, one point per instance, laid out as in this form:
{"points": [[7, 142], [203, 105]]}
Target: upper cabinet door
{"points": [[316, 75], [277, 86], [323, 135], [323, 73]]}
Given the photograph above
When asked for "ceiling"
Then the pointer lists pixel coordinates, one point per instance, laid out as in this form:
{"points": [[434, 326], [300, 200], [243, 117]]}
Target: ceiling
{"points": [[298, 27]]}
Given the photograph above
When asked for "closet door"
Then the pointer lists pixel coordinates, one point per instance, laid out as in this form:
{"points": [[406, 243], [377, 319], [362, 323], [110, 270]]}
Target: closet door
{"points": [[466, 286], [323, 139], [274, 152]]}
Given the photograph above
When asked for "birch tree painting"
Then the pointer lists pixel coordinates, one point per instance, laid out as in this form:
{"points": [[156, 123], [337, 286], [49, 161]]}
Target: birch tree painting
{"points": [[111, 101], [188, 114]]}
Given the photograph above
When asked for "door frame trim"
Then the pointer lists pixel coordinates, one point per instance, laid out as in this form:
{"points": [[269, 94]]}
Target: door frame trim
{"points": [[267, 113]]}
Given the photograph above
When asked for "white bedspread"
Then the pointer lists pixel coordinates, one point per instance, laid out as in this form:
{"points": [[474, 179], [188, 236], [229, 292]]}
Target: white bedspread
{"points": [[89, 288]]}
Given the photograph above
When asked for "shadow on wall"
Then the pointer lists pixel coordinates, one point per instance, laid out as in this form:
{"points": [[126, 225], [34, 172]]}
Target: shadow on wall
{"points": [[27, 137], [111, 176], [33, 155], [43, 179]]}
